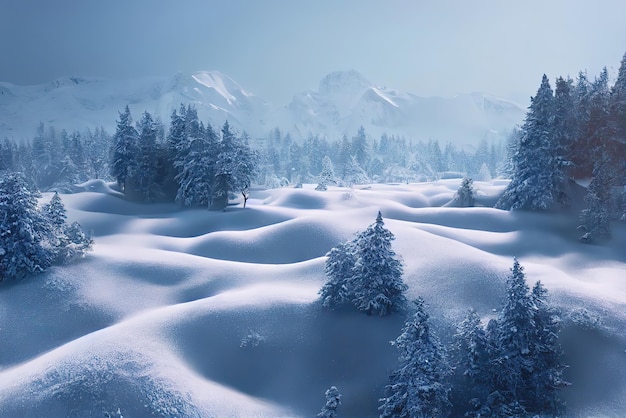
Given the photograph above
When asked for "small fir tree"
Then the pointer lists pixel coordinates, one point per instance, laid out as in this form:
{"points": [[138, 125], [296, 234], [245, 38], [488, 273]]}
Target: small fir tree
{"points": [[418, 387], [338, 269], [327, 175], [333, 401], [465, 193], [377, 275]]}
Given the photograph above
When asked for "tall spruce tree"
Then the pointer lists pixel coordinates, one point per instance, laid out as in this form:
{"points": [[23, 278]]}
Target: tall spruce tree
{"points": [[333, 401], [418, 388], [124, 149], [534, 183], [377, 275]]}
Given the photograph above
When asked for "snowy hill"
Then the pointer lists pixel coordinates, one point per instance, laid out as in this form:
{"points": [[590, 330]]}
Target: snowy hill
{"points": [[197, 313], [343, 102]]}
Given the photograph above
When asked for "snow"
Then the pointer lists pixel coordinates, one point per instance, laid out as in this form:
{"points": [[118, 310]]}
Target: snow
{"points": [[152, 320], [343, 102]]}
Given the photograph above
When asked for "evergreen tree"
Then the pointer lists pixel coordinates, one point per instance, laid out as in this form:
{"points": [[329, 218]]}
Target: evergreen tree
{"points": [[418, 387], [465, 194], [25, 234], [354, 174], [533, 184], [338, 269], [124, 149], [618, 103], [145, 167], [377, 275], [333, 401], [68, 241], [595, 218], [327, 175], [359, 148], [344, 157]]}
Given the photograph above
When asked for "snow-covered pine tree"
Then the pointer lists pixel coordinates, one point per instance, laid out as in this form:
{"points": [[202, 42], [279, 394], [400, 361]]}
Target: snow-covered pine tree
{"points": [[595, 219], [333, 401], [360, 148], [465, 194], [533, 184], [145, 171], [516, 334], [617, 102], [355, 173], [245, 166], [195, 162], [377, 282], [418, 388], [25, 234], [124, 148], [548, 364], [471, 351], [338, 269], [67, 241], [327, 175]]}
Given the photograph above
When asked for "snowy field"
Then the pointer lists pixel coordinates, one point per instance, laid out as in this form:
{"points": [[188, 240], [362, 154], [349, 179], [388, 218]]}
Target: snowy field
{"points": [[196, 313]]}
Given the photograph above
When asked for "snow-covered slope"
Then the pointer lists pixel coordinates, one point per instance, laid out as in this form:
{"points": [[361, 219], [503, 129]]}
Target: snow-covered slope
{"points": [[344, 101], [196, 313], [77, 103]]}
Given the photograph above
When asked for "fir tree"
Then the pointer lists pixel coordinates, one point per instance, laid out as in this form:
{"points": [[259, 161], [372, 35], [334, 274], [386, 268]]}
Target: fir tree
{"points": [[377, 275], [354, 174], [124, 149], [533, 184], [25, 234], [333, 401], [595, 218], [338, 269], [327, 175], [145, 168], [418, 387], [359, 148], [465, 193]]}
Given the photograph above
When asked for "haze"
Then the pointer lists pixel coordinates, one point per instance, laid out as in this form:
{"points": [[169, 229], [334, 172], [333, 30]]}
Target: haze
{"points": [[276, 48]]}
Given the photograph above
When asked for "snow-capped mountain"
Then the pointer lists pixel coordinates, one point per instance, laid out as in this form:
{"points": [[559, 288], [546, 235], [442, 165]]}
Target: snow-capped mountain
{"points": [[343, 102], [346, 100]]}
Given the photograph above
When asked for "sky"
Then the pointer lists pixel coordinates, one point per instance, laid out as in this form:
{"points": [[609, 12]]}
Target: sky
{"points": [[276, 48]]}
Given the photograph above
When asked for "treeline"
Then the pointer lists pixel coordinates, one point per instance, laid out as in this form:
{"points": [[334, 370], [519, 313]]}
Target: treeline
{"points": [[576, 131], [511, 366], [361, 159]]}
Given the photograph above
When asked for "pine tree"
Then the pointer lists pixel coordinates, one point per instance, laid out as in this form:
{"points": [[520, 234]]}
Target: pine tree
{"points": [[548, 365], [359, 148], [465, 193], [338, 269], [533, 184], [145, 167], [595, 219], [25, 234], [333, 401], [354, 174], [327, 175], [67, 241], [418, 387], [124, 149], [618, 103], [377, 275]]}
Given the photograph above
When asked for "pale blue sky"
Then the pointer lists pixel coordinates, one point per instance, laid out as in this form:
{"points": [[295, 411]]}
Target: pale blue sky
{"points": [[275, 48]]}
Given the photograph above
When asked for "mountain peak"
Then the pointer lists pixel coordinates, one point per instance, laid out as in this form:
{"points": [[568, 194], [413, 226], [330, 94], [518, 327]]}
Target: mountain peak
{"points": [[338, 82]]}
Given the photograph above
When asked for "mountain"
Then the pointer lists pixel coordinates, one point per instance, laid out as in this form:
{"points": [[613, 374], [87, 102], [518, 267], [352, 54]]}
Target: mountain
{"points": [[343, 101]]}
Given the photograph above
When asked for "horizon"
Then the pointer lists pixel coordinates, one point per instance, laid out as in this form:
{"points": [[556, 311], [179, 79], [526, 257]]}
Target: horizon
{"points": [[277, 48]]}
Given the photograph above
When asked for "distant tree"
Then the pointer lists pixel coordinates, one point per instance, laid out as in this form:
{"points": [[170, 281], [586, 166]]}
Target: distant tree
{"points": [[327, 175], [377, 275], [465, 194], [418, 387], [533, 185], [354, 173], [595, 219], [338, 268], [124, 149], [333, 401], [25, 234], [359, 148]]}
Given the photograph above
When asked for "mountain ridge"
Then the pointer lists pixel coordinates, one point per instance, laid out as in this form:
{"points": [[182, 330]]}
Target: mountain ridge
{"points": [[343, 101]]}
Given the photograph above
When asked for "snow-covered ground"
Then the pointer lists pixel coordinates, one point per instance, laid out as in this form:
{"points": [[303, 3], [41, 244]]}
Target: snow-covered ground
{"points": [[196, 313]]}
